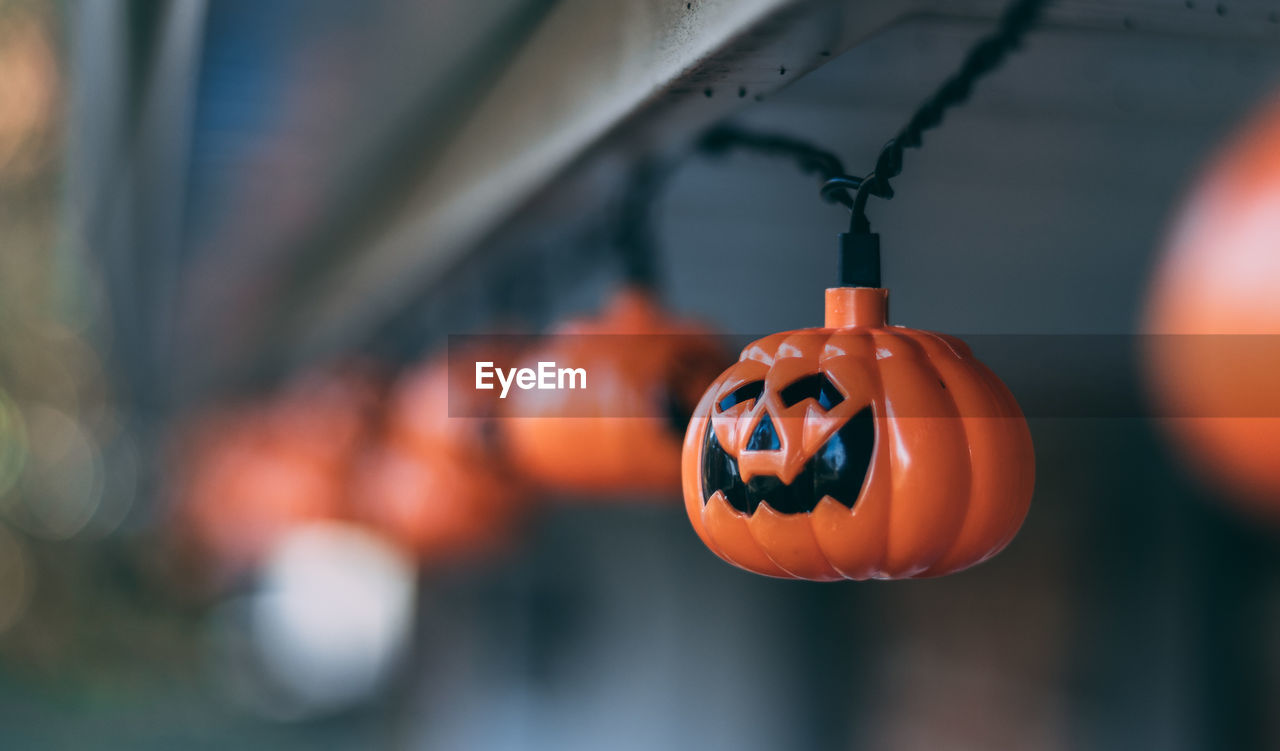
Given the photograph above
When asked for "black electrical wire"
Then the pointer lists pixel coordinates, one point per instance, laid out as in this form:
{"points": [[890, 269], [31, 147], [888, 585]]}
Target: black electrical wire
{"points": [[808, 157], [851, 191], [634, 237], [859, 248], [984, 57]]}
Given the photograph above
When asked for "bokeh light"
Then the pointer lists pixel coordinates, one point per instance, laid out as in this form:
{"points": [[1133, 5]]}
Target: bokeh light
{"points": [[15, 579], [62, 483], [13, 443], [29, 93], [330, 616]]}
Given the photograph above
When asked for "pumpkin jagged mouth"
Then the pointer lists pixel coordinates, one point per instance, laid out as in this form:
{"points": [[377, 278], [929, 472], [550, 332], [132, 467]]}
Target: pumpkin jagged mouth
{"points": [[838, 469]]}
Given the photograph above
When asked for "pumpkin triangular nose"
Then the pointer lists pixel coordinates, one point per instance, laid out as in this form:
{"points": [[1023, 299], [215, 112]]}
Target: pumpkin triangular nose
{"points": [[764, 437]]}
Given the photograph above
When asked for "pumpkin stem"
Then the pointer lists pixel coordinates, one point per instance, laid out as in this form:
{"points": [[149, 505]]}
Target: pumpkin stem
{"points": [[863, 307]]}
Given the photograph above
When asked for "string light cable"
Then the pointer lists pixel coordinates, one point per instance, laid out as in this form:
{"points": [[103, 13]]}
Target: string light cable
{"points": [[860, 247]]}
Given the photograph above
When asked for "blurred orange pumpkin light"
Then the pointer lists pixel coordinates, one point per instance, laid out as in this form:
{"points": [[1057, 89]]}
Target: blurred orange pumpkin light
{"points": [[246, 475], [434, 482], [621, 435], [1213, 359]]}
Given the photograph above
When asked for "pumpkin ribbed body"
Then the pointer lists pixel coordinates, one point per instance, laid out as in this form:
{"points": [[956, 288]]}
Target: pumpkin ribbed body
{"points": [[857, 451]]}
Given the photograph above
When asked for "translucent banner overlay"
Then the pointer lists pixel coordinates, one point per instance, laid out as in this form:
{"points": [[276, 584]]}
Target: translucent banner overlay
{"points": [[1051, 376]]}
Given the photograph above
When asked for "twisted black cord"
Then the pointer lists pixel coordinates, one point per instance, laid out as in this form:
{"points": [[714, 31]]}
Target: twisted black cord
{"points": [[984, 57], [810, 158], [634, 237]]}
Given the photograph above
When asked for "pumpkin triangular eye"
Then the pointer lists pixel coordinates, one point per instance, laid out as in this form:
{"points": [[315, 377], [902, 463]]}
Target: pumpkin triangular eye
{"points": [[765, 436], [817, 387], [744, 393]]}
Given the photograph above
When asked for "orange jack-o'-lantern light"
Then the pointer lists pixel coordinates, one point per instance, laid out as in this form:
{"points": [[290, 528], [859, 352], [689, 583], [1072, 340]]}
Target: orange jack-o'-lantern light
{"points": [[247, 474], [862, 450], [620, 436], [857, 451], [1214, 321], [434, 482]]}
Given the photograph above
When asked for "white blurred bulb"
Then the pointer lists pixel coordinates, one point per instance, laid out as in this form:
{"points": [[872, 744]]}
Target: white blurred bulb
{"points": [[333, 614]]}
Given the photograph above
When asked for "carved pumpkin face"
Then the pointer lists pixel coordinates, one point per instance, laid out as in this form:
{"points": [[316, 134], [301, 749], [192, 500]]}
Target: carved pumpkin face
{"points": [[621, 435], [858, 451], [1215, 312], [435, 482]]}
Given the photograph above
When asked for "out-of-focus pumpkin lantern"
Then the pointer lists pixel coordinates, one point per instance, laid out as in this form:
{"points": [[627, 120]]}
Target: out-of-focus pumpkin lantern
{"points": [[620, 436], [857, 451], [434, 482], [1213, 317], [247, 474]]}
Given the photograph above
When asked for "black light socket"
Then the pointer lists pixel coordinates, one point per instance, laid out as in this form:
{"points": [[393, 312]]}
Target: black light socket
{"points": [[859, 259]]}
